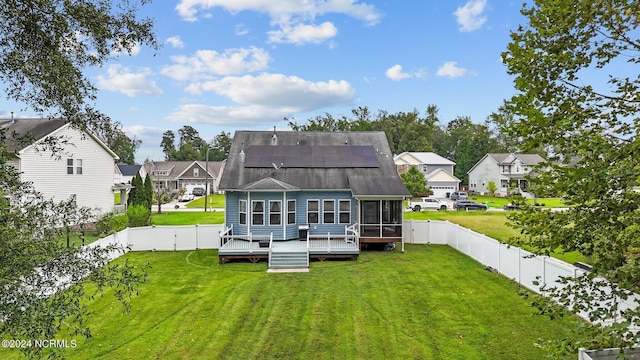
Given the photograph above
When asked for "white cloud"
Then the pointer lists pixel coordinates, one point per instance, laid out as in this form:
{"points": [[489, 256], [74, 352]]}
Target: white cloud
{"points": [[471, 15], [294, 18], [121, 79], [251, 115], [205, 64], [300, 33], [188, 9], [395, 73], [451, 69], [133, 51], [280, 91], [175, 41], [263, 99], [241, 30]]}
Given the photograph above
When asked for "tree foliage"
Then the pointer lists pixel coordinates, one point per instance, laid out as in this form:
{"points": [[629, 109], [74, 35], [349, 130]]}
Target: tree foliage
{"points": [[192, 147], [415, 181], [575, 67], [46, 44], [44, 48], [119, 142]]}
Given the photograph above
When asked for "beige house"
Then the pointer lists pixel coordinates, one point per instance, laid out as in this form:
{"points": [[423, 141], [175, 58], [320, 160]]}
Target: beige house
{"points": [[437, 171], [177, 175]]}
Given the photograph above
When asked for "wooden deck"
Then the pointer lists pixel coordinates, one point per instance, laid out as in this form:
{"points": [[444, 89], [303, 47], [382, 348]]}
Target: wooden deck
{"points": [[319, 249]]}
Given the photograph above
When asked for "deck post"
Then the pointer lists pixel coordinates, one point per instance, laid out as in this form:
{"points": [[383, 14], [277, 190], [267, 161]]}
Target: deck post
{"points": [[328, 242]]}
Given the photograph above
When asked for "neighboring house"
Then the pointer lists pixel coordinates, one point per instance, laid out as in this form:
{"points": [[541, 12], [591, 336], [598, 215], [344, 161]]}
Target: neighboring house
{"points": [[82, 168], [326, 188], [176, 175], [124, 173], [506, 170], [437, 170]]}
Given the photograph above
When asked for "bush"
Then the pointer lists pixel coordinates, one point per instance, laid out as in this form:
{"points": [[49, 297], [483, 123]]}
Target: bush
{"points": [[111, 223], [138, 216]]}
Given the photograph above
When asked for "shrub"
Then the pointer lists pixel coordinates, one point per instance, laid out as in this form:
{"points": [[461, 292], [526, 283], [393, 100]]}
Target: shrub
{"points": [[111, 223], [138, 215]]}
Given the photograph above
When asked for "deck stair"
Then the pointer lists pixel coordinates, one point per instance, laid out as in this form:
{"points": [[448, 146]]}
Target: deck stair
{"points": [[289, 260]]}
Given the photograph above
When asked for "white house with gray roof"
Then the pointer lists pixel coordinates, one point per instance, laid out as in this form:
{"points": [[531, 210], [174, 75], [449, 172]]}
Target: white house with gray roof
{"points": [[82, 167], [437, 170], [506, 170]]}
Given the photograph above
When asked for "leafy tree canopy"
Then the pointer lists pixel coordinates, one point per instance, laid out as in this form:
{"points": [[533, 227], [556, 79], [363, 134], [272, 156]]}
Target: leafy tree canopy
{"points": [[44, 47], [575, 68]]}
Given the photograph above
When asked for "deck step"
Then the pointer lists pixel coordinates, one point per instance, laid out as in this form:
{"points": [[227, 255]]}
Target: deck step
{"points": [[289, 260]]}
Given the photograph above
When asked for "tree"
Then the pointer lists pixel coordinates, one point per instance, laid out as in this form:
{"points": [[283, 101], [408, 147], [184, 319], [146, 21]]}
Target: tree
{"points": [[148, 192], [491, 186], [220, 147], [45, 45], [168, 144], [119, 142], [190, 146], [575, 68], [414, 181], [136, 194]]}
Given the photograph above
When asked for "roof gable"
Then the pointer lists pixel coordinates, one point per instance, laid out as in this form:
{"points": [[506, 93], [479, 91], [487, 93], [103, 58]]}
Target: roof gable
{"points": [[428, 158]]}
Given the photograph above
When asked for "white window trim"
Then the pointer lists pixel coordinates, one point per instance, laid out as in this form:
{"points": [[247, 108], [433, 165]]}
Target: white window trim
{"points": [[317, 211], [289, 212], [340, 212], [242, 212], [253, 212], [333, 210], [279, 213]]}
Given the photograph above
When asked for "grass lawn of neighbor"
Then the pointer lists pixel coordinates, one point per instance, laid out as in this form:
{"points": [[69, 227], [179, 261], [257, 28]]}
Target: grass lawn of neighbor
{"points": [[430, 302]]}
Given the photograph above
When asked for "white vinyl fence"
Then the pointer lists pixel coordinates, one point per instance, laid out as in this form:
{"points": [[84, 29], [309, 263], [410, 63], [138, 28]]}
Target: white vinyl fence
{"points": [[512, 262]]}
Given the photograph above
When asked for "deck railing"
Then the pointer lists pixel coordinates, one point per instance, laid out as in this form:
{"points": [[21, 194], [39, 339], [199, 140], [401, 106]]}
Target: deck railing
{"points": [[329, 241]]}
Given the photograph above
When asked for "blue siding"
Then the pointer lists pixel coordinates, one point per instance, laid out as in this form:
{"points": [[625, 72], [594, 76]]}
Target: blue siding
{"points": [[281, 232]]}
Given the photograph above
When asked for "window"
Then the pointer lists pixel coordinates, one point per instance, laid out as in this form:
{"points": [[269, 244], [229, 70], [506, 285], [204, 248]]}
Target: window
{"points": [[257, 213], [329, 211], [344, 211], [242, 210], [312, 211], [196, 172], [275, 212], [79, 166], [69, 166], [291, 212], [424, 167], [504, 183], [473, 183]]}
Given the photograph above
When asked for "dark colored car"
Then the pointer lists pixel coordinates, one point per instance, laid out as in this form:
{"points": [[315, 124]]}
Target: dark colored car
{"points": [[511, 206], [468, 205], [198, 191]]}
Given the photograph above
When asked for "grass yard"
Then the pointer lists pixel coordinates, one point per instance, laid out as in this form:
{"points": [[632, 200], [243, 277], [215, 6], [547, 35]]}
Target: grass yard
{"points": [[492, 224], [429, 303], [187, 217], [215, 201], [498, 203]]}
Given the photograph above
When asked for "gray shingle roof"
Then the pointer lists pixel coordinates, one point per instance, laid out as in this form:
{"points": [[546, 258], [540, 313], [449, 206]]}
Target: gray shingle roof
{"points": [[34, 129], [381, 180]]}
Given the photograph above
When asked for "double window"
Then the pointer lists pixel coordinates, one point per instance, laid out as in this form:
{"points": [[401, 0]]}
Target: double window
{"points": [[74, 165]]}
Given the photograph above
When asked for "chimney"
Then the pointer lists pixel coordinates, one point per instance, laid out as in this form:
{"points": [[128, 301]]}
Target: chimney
{"points": [[274, 138]]}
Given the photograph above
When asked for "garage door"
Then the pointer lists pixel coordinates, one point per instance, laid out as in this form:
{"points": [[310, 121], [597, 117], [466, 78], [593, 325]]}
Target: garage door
{"points": [[442, 191]]}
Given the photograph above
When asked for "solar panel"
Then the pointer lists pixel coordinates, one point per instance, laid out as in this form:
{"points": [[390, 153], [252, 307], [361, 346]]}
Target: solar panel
{"points": [[304, 156]]}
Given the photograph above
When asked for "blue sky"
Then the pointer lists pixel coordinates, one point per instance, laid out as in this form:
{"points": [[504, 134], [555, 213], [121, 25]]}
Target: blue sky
{"points": [[229, 65]]}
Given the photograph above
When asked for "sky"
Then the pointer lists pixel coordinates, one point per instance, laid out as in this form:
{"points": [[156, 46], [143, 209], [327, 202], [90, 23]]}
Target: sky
{"points": [[228, 65]]}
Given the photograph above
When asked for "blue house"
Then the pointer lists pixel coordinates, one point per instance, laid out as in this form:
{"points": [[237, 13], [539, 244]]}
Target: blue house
{"points": [[322, 194]]}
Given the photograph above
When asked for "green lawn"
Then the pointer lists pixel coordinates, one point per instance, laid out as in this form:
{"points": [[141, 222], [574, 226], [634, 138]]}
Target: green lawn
{"points": [[215, 201], [496, 202], [492, 224], [429, 303], [187, 217]]}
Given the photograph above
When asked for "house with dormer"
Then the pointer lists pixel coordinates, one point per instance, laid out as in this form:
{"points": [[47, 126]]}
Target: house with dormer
{"points": [[507, 170]]}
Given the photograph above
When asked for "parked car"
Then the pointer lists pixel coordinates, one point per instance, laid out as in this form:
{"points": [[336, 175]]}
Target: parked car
{"points": [[468, 205], [459, 195], [511, 206], [427, 203], [186, 197], [198, 191]]}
